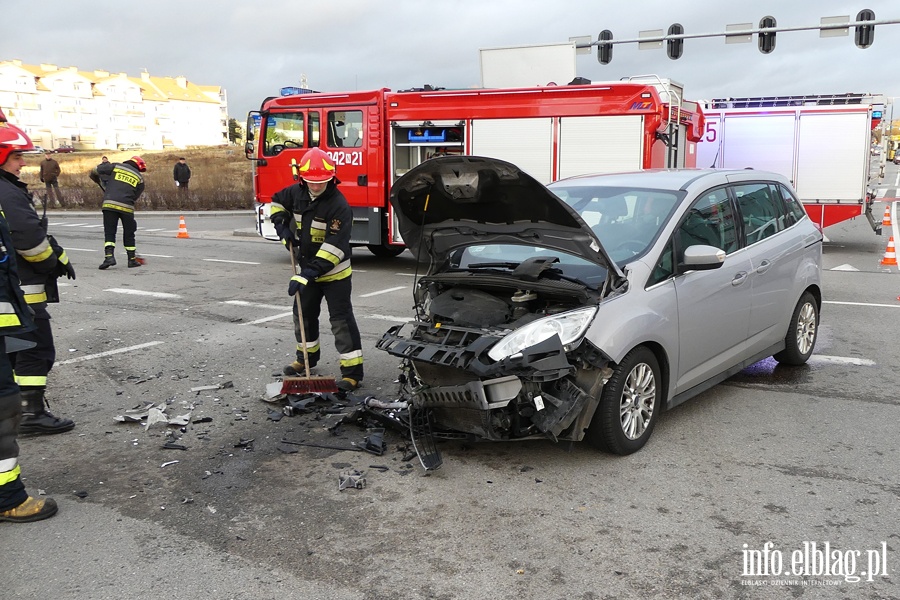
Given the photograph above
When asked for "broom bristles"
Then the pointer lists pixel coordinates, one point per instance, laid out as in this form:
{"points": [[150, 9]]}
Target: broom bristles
{"points": [[305, 385]]}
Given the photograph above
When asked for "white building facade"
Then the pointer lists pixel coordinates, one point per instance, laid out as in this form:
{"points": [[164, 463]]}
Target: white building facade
{"points": [[62, 106]]}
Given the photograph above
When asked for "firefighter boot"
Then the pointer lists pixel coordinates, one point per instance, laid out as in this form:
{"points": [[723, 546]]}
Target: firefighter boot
{"points": [[37, 419], [110, 260], [133, 260], [33, 509]]}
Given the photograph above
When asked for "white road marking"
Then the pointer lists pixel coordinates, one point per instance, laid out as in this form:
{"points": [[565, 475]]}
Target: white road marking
{"points": [[69, 224], [267, 319], [150, 230], [862, 304], [81, 249], [234, 262], [390, 318], [157, 255], [142, 293], [408, 274], [845, 267], [254, 304], [93, 226], [843, 360], [107, 353], [387, 291]]}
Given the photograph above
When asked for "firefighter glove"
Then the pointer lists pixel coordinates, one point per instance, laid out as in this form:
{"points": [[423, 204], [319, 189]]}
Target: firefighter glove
{"points": [[295, 287], [63, 266]]}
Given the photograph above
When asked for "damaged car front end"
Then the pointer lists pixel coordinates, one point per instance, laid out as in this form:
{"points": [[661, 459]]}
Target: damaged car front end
{"points": [[498, 350]]}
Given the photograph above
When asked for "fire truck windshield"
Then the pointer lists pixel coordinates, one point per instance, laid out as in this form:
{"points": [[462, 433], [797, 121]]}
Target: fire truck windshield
{"points": [[282, 130]]}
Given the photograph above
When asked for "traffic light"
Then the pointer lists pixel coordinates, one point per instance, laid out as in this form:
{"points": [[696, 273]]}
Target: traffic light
{"points": [[766, 39], [865, 34], [675, 47], [604, 51]]}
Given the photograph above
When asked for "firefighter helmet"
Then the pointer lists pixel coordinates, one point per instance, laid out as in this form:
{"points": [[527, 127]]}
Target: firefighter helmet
{"points": [[141, 165], [12, 139], [316, 166]]}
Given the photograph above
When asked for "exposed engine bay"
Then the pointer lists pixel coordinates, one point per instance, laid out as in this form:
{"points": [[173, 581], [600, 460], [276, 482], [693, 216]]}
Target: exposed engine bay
{"points": [[544, 390]]}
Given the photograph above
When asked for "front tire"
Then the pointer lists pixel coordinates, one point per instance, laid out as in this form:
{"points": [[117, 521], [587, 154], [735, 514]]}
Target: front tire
{"points": [[800, 339], [630, 403]]}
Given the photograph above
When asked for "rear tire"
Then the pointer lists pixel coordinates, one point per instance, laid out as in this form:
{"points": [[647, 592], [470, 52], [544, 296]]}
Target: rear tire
{"points": [[385, 251], [800, 339], [630, 403]]}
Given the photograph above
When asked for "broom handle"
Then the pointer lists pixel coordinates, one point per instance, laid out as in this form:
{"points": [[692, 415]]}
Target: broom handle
{"points": [[299, 312]]}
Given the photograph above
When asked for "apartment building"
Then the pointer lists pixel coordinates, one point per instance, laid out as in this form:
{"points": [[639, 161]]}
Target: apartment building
{"points": [[64, 106]]}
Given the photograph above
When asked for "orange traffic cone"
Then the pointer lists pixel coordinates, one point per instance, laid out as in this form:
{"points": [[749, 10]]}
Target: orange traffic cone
{"points": [[182, 229], [886, 221], [890, 254]]}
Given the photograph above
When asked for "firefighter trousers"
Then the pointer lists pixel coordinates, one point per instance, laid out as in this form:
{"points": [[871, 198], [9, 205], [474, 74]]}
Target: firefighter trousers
{"points": [[32, 366], [12, 490], [111, 226], [343, 325]]}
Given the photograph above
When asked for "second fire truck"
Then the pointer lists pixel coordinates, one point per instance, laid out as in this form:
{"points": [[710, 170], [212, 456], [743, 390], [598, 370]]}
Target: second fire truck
{"points": [[550, 132]]}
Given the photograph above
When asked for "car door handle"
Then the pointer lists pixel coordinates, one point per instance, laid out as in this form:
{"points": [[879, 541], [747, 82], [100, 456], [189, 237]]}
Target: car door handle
{"points": [[763, 266], [739, 278]]}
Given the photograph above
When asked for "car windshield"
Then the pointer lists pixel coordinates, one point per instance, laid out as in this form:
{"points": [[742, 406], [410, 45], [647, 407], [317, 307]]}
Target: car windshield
{"points": [[532, 263], [625, 220]]}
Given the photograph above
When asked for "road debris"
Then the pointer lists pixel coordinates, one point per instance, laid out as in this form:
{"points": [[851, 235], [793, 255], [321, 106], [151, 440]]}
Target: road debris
{"points": [[351, 479], [171, 462]]}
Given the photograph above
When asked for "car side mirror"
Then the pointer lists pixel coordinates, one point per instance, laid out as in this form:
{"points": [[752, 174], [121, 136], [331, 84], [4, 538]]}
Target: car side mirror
{"points": [[701, 258]]}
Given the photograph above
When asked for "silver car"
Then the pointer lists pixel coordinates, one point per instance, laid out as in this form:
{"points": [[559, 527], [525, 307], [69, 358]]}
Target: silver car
{"points": [[584, 309]]}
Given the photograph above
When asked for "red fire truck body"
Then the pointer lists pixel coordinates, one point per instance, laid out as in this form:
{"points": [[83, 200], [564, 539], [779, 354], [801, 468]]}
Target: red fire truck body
{"points": [[551, 132], [821, 143]]}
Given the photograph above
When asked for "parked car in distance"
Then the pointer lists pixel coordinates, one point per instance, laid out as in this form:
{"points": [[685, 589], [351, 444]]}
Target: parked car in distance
{"points": [[897, 158], [584, 309], [64, 150], [36, 150]]}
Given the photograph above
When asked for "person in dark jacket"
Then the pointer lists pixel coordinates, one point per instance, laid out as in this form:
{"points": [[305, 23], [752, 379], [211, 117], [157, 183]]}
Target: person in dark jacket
{"points": [[182, 175], [50, 172], [41, 261], [15, 319], [124, 185], [316, 211]]}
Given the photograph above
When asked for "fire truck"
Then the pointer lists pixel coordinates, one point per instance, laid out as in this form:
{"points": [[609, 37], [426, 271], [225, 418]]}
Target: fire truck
{"points": [[821, 143], [551, 132]]}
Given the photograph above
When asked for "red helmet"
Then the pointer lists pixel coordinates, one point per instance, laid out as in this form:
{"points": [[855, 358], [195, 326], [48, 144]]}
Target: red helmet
{"points": [[316, 167], [12, 139], [141, 165]]}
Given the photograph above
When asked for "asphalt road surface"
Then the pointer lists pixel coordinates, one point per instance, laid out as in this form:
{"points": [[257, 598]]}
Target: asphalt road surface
{"points": [[743, 492]]}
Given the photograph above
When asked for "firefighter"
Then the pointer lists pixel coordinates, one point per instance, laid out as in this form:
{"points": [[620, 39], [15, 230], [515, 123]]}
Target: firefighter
{"points": [[313, 219], [124, 185], [15, 319], [40, 261]]}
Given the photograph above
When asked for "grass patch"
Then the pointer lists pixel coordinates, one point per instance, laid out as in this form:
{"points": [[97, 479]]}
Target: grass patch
{"points": [[220, 178]]}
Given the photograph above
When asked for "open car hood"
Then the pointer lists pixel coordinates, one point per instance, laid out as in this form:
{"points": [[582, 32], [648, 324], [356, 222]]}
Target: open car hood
{"points": [[455, 201]]}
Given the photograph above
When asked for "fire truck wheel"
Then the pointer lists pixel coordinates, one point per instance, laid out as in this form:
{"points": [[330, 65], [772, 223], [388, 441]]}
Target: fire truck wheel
{"points": [[801, 335], [385, 251]]}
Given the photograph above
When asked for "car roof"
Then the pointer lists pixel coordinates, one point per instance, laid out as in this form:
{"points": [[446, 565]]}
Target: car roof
{"points": [[669, 179]]}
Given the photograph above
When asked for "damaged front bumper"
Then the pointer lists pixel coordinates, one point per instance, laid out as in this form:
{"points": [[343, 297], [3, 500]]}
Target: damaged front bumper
{"points": [[543, 391]]}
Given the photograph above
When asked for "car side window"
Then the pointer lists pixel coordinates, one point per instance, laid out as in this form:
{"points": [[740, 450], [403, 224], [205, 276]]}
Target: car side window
{"points": [[760, 211], [710, 221], [794, 209]]}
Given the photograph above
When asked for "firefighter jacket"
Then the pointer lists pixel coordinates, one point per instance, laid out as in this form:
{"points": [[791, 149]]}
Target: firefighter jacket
{"points": [[323, 226], [15, 316], [38, 255], [124, 185]]}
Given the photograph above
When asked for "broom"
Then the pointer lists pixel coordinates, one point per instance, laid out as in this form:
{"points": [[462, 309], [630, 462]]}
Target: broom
{"points": [[304, 385]]}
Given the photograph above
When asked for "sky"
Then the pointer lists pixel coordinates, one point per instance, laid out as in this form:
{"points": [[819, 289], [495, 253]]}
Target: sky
{"points": [[253, 49]]}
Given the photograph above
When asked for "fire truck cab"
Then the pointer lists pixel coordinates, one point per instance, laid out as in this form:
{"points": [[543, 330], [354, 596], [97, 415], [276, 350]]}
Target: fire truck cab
{"points": [[551, 132]]}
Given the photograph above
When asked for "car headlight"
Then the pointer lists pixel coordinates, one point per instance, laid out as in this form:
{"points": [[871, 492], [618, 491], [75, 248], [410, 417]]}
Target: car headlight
{"points": [[569, 326]]}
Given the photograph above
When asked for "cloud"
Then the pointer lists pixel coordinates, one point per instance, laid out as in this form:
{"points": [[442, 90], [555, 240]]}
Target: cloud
{"points": [[253, 49]]}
